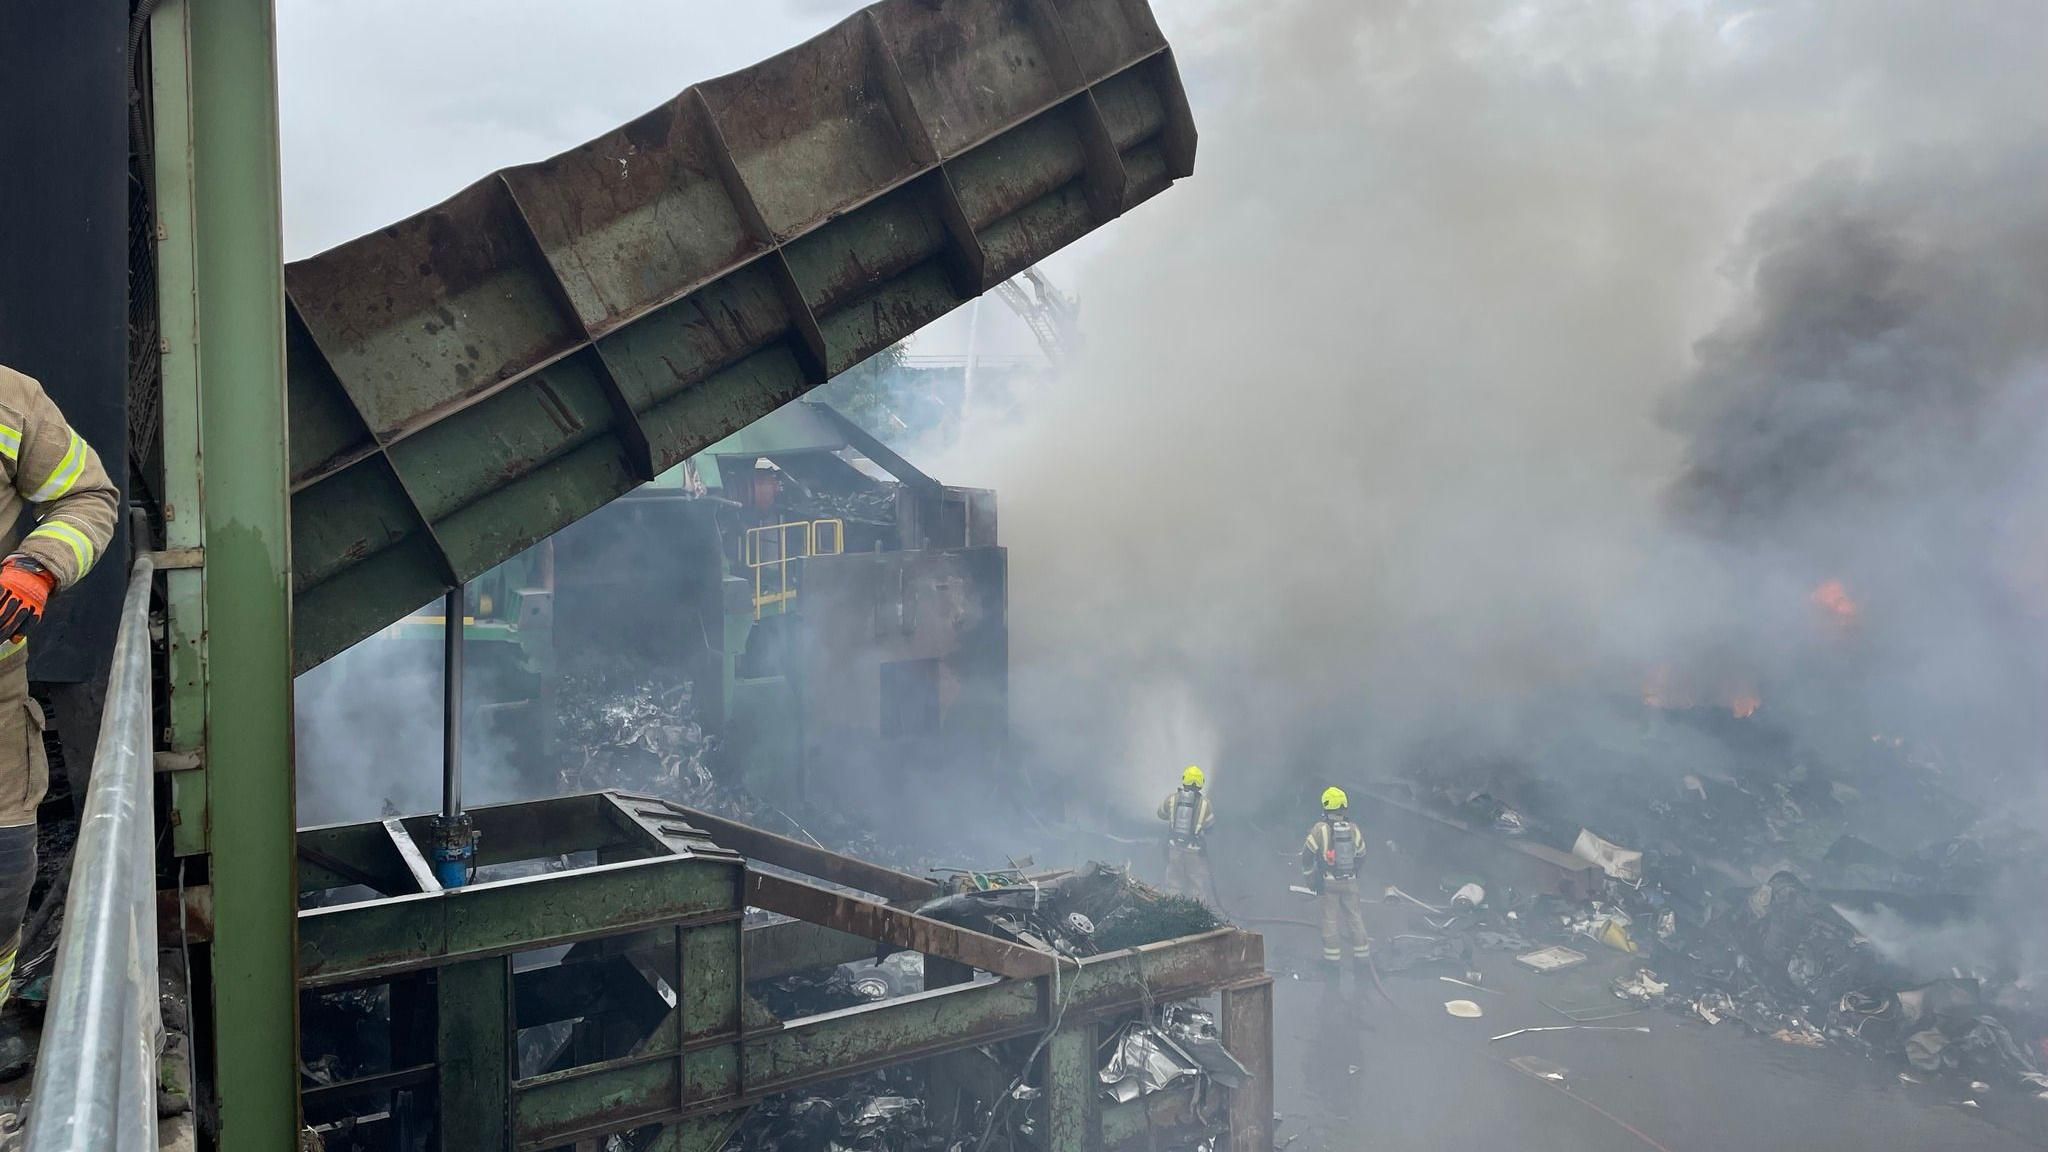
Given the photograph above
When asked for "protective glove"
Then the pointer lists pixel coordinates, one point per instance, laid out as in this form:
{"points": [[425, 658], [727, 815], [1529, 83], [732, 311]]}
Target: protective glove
{"points": [[25, 588]]}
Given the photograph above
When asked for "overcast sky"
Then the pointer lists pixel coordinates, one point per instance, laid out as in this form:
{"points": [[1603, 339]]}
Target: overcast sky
{"points": [[389, 106]]}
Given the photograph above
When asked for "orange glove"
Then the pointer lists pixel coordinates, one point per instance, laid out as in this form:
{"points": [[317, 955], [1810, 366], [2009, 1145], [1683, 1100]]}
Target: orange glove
{"points": [[25, 588]]}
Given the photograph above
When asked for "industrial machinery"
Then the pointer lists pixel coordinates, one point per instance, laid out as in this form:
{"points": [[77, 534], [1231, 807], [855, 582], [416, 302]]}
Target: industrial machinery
{"points": [[385, 423]]}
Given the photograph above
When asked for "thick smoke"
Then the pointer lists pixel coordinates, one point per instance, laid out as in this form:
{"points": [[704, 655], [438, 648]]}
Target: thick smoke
{"points": [[368, 730], [1501, 364]]}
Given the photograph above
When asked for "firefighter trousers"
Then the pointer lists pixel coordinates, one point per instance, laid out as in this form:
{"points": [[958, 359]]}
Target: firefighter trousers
{"points": [[1343, 923], [1187, 874], [24, 777]]}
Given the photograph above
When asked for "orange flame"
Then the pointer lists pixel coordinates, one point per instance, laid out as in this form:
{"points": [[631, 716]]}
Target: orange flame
{"points": [[1834, 597]]}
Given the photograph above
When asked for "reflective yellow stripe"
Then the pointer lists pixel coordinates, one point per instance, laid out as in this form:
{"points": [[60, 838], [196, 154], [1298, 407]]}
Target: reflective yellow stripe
{"points": [[66, 474], [81, 544], [10, 442], [13, 646]]}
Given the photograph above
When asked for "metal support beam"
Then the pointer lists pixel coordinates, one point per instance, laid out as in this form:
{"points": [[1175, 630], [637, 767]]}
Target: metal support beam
{"points": [[1073, 1095], [1248, 1035], [454, 836], [476, 1043], [555, 1109], [904, 930], [792, 946], [378, 939], [782, 852], [238, 286], [451, 703]]}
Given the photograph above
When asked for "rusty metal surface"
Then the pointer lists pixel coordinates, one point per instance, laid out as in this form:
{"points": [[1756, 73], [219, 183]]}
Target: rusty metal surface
{"points": [[1247, 1020], [557, 1108], [893, 926], [407, 933], [783, 852], [467, 381]]}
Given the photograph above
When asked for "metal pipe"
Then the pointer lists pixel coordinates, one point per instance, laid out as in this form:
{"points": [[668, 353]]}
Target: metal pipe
{"points": [[451, 705], [96, 1075]]}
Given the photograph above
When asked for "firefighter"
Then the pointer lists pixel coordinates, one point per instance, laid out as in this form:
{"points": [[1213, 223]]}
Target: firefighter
{"points": [[1330, 857], [1188, 816], [58, 477]]}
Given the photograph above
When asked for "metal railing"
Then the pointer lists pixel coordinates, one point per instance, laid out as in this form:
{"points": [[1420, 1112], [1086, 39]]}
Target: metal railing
{"points": [[809, 538], [96, 1077]]}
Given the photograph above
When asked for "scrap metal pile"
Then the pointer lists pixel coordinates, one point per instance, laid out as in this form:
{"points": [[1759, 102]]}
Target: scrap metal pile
{"points": [[639, 731], [1094, 909], [632, 733], [1177, 1045], [1753, 897]]}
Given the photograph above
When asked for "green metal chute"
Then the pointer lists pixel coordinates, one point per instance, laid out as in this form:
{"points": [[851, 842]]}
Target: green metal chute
{"points": [[469, 380]]}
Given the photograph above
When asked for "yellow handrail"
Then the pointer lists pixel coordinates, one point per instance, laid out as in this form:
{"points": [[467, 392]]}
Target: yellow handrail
{"points": [[753, 554]]}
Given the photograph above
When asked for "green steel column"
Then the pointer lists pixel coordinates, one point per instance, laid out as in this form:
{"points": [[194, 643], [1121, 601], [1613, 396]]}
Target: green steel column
{"points": [[177, 254], [240, 294], [475, 1042], [1072, 1091]]}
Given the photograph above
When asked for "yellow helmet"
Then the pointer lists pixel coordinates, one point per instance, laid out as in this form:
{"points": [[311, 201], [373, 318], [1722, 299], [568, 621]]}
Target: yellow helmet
{"points": [[1334, 799], [1192, 778]]}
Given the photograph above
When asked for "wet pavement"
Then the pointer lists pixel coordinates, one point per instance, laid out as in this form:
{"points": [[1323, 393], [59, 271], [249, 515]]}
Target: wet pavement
{"points": [[1360, 1071]]}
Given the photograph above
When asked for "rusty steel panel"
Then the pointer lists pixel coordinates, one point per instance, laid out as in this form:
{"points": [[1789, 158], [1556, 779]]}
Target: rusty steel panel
{"points": [[645, 1089], [893, 926], [407, 933], [471, 379], [783, 852], [1248, 1035]]}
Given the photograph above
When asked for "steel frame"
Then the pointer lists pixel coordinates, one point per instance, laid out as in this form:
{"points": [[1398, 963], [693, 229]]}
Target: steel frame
{"points": [[469, 380], [665, 897]]}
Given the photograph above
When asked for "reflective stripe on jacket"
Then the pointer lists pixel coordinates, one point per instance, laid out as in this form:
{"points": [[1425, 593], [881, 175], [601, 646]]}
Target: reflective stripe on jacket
{"points": [[54, 473]]}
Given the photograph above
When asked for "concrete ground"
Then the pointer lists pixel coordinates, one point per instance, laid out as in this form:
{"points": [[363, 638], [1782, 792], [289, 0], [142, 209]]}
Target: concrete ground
{"points": [[1357, 1071]]}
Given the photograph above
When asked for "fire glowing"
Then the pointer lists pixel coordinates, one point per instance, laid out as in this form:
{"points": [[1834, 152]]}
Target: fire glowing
{"points": [[1665, 690], [1833, 596]]}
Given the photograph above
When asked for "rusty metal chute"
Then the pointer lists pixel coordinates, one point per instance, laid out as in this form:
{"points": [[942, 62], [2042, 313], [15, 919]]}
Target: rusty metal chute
{"points": [[471, 379]]}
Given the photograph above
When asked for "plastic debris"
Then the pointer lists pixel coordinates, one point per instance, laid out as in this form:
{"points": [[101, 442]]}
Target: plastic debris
{"points": [[1609, 926], [1551, 959], [1394, 893], [1463, 1009], [1713, 1007], [1803, 1037], [1643, 986], [1474, 987], [1623, 864], [1540, 1068]]}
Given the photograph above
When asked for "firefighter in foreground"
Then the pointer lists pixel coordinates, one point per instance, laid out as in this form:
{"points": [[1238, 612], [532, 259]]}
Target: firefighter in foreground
{"points": [[1188, 816], [57, 476], [1330, 856]]}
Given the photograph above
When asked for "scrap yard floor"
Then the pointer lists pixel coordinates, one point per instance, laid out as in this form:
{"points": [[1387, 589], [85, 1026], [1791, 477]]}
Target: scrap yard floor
{"points": [[1357, 1072]]}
